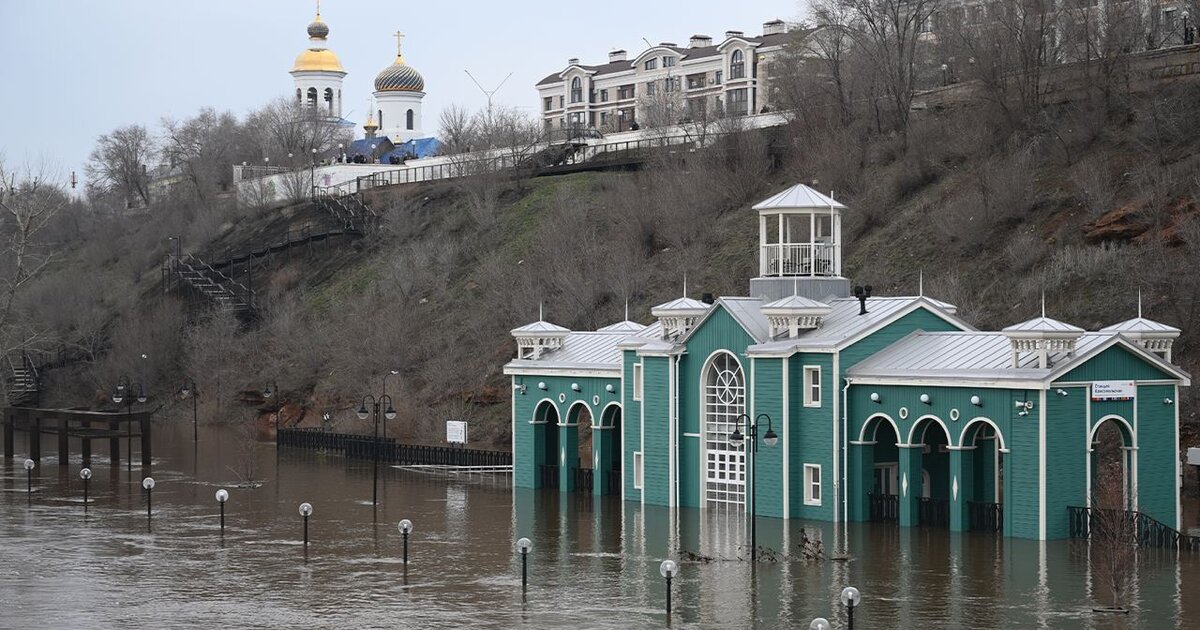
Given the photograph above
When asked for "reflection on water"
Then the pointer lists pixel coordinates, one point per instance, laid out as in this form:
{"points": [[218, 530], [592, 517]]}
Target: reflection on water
{"points": [[594, 562]]}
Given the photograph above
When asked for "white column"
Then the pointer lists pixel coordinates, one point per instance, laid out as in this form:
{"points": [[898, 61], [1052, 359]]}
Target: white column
{"points": [[762, 245]]}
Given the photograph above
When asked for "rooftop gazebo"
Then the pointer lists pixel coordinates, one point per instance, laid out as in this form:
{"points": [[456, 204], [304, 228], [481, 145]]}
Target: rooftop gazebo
{"points": [[800, 245]]}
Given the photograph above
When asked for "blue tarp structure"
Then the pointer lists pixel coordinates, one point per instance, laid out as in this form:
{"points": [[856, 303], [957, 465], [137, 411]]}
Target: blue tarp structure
{"points": [[418, 147], [386, 150]]}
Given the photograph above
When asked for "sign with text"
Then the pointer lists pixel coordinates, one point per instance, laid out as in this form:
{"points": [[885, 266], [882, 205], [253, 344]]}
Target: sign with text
{"points": [[1114, 390], [456, 431]]}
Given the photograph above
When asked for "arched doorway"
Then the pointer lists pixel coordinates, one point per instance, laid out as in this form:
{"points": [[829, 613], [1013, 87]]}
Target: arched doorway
{"points": [[546, 421], [577, 445], [608, 440], [980, 475], [724, 398], [878, 447], [1112, 480], [926, 462]]}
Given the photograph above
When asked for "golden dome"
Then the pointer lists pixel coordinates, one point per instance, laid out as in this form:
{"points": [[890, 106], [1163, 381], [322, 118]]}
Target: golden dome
{"points": [[318, 60]]}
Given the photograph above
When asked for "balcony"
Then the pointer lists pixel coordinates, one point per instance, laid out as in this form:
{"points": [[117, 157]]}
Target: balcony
{"points": [[800, 259]]}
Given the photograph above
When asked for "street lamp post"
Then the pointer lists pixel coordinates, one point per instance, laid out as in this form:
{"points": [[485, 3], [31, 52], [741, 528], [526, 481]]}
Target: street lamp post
{"points": [[86, 475], [222, 497], [737, 439], [406, 528], [29, 466], [124, 393], [523, 546], [820, 623], [306, 510], [148, 484], [388, 414], [668, 569], [850, 599], [188, 390]]}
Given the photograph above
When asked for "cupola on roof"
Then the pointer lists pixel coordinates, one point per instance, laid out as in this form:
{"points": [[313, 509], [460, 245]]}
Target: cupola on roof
{"points": [[399, 77], [1044, 337], [799, 196], [624, 326], [318, 58], [318, 29]]}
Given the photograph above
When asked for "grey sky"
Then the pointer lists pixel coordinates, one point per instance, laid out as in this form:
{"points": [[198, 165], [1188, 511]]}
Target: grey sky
{"points": [[74, 69]]}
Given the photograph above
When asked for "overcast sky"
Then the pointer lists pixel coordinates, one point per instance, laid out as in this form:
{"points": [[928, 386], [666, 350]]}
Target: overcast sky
{"points": [[75, 69]]}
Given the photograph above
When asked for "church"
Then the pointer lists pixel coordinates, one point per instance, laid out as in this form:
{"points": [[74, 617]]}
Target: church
{"points": [[394, 120], [809, 399]]}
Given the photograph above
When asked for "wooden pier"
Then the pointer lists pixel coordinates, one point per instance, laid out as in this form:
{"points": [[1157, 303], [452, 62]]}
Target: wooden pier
{"points": [[85, 426]]}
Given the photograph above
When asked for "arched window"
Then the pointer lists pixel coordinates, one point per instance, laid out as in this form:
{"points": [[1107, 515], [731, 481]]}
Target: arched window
{"points": [[737, 65], [380, 120], [299, 96], [576, 90], [329, 100], [409, 119], [724, 402], [312, 97]]}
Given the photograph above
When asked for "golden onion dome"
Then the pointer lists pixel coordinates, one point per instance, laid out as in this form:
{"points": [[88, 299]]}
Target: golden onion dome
{"points": [[399, 77], [318, 60]]}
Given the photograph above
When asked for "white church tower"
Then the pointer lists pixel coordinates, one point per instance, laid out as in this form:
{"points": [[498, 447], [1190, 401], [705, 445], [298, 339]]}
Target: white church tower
{"points": [[317, 73], [399, 90]]}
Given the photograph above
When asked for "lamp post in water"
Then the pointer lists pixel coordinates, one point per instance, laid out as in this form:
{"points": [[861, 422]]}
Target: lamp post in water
{"points": [[388, 414], [128, 392], [737, 439], [148, 484], [306, 510], [668, 569], [523, 546], [850, 599], [820, 623], [86, 475], [188, 390], [29, 466], [405, 528], [222, 497]]}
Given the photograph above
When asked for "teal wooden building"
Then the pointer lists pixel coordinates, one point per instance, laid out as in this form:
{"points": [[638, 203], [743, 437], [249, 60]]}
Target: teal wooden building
{"points": [[882, 408]]}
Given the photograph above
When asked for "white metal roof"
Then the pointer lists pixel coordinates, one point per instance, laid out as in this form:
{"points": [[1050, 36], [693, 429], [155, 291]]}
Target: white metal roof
{"points": [[539, 327], [748, 313], [625, 326], [1043, 324], [797, 303], [1141, 325], [681, 304], [798, 196], [843, 322]]}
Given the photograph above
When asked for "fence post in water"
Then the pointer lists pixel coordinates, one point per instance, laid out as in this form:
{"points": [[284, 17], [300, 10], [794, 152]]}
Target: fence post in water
{"points": [[85, 475], [222, 497], [29, 466], [523, 546], [667, 569]]}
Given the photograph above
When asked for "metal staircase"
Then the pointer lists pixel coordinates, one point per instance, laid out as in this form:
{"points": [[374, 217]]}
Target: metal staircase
{"points": [[21, 381], [186, 271], [346, 209]]}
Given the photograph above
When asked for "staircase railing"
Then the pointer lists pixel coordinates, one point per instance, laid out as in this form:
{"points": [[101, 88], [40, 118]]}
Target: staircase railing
{"points": [[213, 284], [1148, 531], [22, 382]]}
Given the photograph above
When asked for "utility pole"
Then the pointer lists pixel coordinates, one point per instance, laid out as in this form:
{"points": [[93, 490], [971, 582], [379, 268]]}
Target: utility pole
{"points": [[488, 94]]}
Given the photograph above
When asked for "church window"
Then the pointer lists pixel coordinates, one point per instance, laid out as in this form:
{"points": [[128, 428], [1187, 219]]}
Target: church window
{"points": [[408, 122], [329, 100], [380, 112], [312, 97]]}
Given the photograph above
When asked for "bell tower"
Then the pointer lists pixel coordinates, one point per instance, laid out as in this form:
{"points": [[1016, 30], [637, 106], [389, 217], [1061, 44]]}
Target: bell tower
{"points": [[800, 246]]}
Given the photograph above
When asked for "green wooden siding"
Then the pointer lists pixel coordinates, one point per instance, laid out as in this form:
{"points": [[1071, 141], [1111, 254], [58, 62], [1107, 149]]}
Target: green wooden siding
{"points": [[1157, 474], [1066, 456], [1116, 364], [768, 399], [633, 426], [810, 435], [656, 457]]}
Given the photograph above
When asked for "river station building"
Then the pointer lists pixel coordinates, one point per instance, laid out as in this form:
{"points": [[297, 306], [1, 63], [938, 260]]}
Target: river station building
{"points": [[867, 407]]}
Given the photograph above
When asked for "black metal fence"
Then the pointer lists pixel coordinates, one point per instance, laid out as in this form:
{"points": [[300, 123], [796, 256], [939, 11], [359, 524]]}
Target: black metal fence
{"points": [[584, 480], [388, 450], [885, 508], [548, 475], [985, 517], [933, 512], [1148, 531]]}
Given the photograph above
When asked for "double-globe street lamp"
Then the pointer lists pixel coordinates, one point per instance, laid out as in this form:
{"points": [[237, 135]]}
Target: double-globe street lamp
{"points": [[737, 439], [128, 392], [388, 414]]}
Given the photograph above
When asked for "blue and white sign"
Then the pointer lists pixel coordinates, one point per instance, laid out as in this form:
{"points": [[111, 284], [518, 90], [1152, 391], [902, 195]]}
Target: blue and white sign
{"points": [[456, 431], [1114, 390]]}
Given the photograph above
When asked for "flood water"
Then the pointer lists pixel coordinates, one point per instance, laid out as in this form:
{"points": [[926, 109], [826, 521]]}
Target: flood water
{"points": [[594, 562]]}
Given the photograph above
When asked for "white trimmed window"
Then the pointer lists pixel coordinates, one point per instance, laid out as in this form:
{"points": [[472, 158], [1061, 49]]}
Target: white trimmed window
{"points": [[812, 386], [637, 471], [637, 381], [812, 484]]}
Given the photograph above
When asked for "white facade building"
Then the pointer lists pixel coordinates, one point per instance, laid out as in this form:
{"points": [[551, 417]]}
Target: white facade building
{"points": [[317, 73], [666, 83]]}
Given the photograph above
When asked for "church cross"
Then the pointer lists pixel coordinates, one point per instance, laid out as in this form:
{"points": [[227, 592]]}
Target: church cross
{"points": [[399, 42]]}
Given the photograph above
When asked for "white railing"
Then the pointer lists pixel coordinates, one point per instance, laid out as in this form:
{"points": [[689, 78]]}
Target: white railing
{"points": [[800, 259]]}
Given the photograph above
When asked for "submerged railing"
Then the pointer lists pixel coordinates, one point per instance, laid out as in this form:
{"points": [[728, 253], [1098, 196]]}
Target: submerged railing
{"points": [[388, 450], [933, 512], [1147, 531], [885, 508], [985, 517]]}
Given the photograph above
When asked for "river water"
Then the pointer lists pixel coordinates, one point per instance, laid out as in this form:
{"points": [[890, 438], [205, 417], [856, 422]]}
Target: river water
{"points": [[594, 562]]}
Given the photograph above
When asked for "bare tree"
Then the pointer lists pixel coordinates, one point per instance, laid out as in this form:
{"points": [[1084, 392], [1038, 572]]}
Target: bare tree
{"points": [[118, 164], [203, 147], [458, 130]]}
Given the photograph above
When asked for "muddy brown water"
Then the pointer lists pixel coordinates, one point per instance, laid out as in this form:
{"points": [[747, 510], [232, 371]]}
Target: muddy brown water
{"points": [[594, 562]]}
